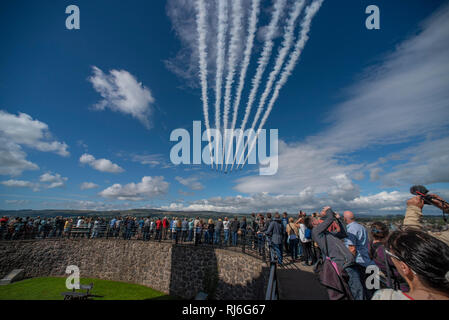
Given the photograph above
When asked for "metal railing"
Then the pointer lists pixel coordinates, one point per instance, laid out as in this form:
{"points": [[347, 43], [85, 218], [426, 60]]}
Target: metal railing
{"points": [[272, 292], [248, 243]]}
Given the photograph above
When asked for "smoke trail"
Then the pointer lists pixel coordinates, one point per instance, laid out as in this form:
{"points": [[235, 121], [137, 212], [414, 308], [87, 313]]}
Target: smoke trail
{"points": [[202, 34], [262, 63], [253, 19], [222, 27], [237, 14], [288, 69], [282, 54]]}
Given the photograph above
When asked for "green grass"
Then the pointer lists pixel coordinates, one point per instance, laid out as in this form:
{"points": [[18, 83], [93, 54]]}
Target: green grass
{"points": [[50, 288]]}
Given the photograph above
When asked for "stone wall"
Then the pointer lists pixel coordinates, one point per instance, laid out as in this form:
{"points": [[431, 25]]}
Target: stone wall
{"points": [[178, 270]]}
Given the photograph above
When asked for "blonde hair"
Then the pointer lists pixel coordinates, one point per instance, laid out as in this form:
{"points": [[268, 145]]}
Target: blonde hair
{"points": [[210, 221]]}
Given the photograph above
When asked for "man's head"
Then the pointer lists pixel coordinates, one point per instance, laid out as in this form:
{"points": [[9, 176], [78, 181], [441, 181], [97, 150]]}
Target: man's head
{"points": [[284, 214], [348, 216], [277, 216]]}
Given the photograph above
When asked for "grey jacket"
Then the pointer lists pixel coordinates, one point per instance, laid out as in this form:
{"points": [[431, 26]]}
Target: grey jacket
{"points": [[275, 231], [336, 249]]}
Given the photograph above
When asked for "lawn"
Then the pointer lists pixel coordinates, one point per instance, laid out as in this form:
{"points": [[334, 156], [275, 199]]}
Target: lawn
{"points": [[50, 288]]}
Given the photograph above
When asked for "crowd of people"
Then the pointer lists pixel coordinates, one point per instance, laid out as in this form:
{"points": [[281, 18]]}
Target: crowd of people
{"points": [[412, 263]]}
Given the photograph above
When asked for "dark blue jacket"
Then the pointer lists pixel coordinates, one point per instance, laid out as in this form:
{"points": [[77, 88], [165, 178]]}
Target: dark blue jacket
{"points": [[275, 231]]}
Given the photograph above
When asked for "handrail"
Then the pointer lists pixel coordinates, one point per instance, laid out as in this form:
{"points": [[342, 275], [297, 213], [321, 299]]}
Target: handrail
{"points": [[272, 292]]}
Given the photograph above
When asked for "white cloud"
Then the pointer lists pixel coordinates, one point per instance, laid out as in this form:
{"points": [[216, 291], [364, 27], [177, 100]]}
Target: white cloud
{"points": [[191, 183], [121, 92], [152, 160], [88, 185], [300, 166], [13, 159], [86, 205], [426, 163], [21, 130], [306, 200], [53, 180], [403, 98], [375, 174], [103, 165], [21, 184], [149, 187], [17, 202]]}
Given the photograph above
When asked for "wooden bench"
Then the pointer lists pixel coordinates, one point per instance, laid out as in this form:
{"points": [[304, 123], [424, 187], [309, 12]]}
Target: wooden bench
{"points": [[79, 231], [77, 295]]}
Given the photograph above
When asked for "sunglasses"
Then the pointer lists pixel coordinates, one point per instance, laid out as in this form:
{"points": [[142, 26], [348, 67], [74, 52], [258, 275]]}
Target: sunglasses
{"points": [[397, 258], [393, 255]]}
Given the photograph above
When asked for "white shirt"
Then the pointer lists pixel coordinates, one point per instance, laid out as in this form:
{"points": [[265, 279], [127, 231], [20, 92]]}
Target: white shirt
{"points": [[226, 225], [302, 233]]}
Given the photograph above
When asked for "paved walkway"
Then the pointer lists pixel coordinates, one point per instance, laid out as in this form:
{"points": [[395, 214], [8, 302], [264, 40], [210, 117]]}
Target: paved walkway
{"points": [[298, 282]]}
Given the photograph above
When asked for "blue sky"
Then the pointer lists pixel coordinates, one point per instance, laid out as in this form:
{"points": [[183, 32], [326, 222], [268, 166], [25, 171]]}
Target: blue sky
{"points": [[86, 114]]}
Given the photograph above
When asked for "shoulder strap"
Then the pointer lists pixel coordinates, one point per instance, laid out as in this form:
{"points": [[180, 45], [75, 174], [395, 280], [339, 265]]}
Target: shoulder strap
{"points": [[387, 267], [325, 241]]}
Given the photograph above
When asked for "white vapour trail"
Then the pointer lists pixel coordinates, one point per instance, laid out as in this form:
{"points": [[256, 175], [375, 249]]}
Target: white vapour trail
{"points": [[288, 69], [201, 28], [234, 46], [221, 47], [262, 63], [253, 19], [286, 45]]}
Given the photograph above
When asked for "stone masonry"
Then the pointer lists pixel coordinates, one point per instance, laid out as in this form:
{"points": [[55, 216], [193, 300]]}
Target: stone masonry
{"points": [[178, 270]]}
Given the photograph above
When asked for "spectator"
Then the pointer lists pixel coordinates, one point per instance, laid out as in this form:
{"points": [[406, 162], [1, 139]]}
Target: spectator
{"points": [[268, 220], [334, 248], [379, 234], [184, 229], [357, 242], [226, 231], [198, 232], [305, 236], [158, 230], [165, 226], [422, 260], [209, 234], [152, 227], [234, 227], [178, 227], [190, 238], [242, 230], [261, 228], [292, 234], [413, 216], [285, 239], [276, 231], [118, 226], [146, 229], [218, 228], [253, 228]]}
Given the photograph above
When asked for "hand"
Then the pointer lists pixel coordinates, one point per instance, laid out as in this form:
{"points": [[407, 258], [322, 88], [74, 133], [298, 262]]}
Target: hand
{"points": [[416, 201], [337, 216], [323, 212], [438, 201]]}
